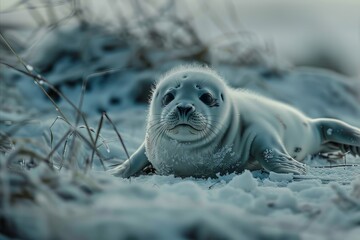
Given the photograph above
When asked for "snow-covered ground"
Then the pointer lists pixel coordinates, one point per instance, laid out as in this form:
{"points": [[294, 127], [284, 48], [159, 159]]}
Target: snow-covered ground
{"points": [[39, 203]]}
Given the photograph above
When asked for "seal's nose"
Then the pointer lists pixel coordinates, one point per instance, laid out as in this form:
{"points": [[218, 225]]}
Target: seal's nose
{"points": [[185, 109]]}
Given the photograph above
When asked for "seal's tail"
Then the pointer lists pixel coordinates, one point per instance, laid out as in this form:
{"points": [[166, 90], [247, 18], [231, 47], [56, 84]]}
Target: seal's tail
{"points": [[340, 134]]}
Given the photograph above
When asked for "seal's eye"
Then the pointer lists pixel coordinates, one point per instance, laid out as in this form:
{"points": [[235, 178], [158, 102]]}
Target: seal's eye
{"points": [[207, 99], [167, 99]]}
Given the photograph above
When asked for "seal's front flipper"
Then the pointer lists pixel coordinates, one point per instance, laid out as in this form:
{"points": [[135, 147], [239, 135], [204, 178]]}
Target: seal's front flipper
{"points": [[338, 135], [273, 157], [133, 165]]}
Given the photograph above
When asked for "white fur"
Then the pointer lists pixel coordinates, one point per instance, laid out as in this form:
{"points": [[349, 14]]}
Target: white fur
{"points": [[241, 131]]}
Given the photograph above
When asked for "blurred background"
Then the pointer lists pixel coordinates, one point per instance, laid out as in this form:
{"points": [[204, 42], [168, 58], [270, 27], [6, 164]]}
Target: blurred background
{"points": [[306, 54], [308, 33]]}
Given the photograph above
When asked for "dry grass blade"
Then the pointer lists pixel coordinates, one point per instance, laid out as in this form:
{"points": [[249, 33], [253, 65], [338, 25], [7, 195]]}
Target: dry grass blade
{"points": [[50, 129], [96, 138], [117, 133], [26, 66], [53, 150], [101, 158], [42, 81], [83, 89], [338, 165], [103, 141], [34, 13], [65, 148]]}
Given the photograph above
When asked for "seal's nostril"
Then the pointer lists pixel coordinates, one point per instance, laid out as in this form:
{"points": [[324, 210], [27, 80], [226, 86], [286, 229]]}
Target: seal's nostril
{"points": [[185, 109]]}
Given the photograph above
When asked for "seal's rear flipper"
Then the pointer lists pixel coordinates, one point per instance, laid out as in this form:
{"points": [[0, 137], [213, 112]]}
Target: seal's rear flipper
{"points": [[335, 133]]}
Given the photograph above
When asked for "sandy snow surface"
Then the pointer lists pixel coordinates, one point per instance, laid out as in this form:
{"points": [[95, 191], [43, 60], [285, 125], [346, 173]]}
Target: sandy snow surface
{"points": [[42, 204], [324, 204]]}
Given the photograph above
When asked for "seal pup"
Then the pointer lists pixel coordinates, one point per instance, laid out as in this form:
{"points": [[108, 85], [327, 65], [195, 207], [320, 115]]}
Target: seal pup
{"points": [[199, 126]]}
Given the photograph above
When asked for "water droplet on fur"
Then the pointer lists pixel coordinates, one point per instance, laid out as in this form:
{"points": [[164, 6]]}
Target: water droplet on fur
{"points": [[41, 82]]}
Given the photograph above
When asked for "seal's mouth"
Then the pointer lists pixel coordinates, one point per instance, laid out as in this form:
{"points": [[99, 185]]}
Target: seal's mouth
{"points": [[184, 125]]}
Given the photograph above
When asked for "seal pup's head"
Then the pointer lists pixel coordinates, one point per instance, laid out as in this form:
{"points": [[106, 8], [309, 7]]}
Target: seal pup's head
{"points": [[188, 105]]}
